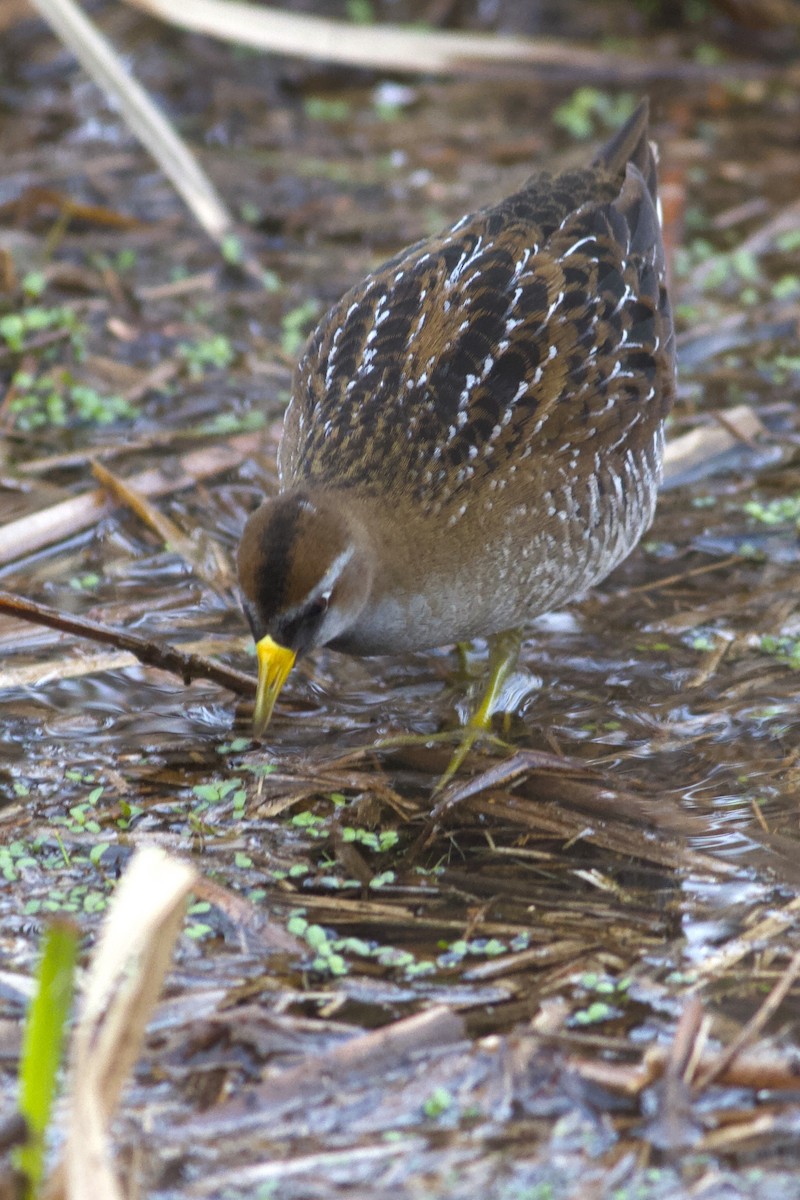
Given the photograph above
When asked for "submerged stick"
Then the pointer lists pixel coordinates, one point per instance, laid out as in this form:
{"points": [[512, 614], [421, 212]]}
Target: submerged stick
{"points": [[151, 654]]}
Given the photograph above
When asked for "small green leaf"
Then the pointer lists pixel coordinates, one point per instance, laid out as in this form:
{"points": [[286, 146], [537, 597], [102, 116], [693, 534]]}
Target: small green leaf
{"points": [[316, 937], [438, 1102], [232, 249], [33, 284]]}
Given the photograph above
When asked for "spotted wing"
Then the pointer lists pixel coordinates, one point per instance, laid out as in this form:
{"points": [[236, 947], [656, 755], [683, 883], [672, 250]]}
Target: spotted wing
{"points": [[526, 329]]}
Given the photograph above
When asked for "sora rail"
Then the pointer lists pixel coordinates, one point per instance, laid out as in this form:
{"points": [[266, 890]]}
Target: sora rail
{"points": [[476, 430]]}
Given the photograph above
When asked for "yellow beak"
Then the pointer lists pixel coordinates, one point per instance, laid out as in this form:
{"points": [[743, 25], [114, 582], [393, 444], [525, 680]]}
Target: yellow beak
{"points": [[274, 664]]}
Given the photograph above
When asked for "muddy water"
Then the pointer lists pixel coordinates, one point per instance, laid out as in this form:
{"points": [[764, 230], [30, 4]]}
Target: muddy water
{"points": [[675, 683]]}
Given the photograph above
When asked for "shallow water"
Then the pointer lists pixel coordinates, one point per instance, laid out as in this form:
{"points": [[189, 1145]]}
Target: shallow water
{"points": [[672, 688]]}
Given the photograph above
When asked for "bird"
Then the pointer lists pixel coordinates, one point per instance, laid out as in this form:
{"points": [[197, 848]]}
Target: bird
{"points": [[475, 433]]}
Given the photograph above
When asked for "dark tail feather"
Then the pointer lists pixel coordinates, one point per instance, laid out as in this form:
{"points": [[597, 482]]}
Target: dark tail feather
{"points": [[630, 145], [630, 155]]}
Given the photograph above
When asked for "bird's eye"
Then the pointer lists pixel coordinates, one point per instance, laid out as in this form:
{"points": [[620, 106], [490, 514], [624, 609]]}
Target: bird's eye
{"points": [[316, 609], [301, 632]]}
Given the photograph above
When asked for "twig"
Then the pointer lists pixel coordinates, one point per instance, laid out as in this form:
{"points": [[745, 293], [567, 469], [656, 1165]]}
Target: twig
{"points": [[373, 1053], [681, 576], [700, 448], [754, 1068], [29, 534], [104, 66], [163, 439], [151, 654], [387, 47], [749, 1032], [710, 661], [80, 665], [382, 47], [732, 952], [173, 538], [673, 1127]]}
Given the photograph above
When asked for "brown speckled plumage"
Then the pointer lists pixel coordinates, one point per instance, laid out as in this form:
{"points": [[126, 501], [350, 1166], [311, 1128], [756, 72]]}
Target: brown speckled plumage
{"points": [[476, 429]]}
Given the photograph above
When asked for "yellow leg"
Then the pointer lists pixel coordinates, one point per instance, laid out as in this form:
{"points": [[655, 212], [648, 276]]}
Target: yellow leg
{"points": [[462, 651], [503, 654]]}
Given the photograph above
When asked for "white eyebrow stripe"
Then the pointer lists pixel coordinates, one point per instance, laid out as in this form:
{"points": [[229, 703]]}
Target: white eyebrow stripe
{"points": [[331, 576], [323, 589]]}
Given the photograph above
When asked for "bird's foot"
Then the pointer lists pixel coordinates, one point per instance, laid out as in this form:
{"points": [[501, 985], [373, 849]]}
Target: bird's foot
{"points": [[465, 736], [503, 653]]}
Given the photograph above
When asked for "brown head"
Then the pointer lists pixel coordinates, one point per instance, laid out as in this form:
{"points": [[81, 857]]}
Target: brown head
{"points": [[304, 580]]}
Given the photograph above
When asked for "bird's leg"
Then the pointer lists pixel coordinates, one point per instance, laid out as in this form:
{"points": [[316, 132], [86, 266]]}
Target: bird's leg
{"points": [[503, 654], [462, 654], [504, 651]]}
